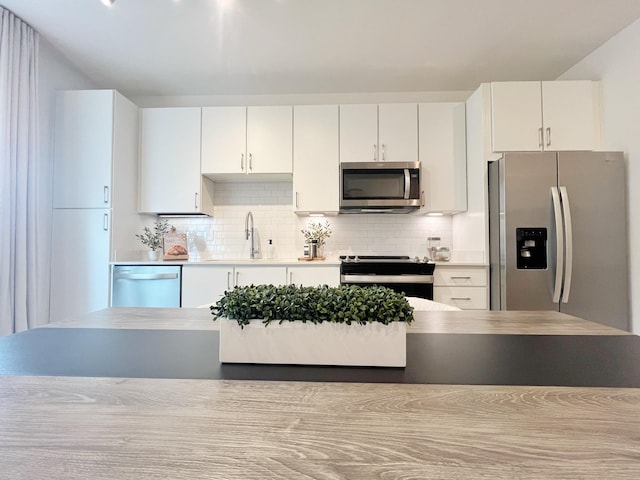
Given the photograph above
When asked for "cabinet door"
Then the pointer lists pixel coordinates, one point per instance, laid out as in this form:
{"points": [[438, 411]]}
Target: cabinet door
{"points": [[358, 133], [516, 116], [170, 160], [569, 115], [443, 157], [79, 262], [248, 275], [398, 132], [205, 284], [224, 140], [83, 149], [315, 162], [270, 139], [314, 276]]}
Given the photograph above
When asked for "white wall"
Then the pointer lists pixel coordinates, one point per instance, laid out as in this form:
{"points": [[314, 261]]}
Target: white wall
{"points": [[55, 72], [617, 65]]}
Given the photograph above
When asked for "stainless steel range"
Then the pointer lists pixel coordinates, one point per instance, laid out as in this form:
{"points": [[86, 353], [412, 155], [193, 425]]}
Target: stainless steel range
{"points": [[411, 276]]}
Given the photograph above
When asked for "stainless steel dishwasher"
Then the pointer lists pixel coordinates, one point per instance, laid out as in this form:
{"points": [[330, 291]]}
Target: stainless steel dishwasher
{"points": [[146, 285]]}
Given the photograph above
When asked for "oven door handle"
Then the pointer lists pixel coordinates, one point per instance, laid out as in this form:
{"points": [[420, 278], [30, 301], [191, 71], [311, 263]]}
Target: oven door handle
{"points": [[378, 279]]}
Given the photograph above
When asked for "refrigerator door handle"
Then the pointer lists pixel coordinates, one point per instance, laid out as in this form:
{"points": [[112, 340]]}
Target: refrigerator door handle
{"points": [[568, 232], [557, 213]]}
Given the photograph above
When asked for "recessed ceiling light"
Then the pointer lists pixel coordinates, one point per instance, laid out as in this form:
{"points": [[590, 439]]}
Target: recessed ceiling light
{"points": [[108, 3]]}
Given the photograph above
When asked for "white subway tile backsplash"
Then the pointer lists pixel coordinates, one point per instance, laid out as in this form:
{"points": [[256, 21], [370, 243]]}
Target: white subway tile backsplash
{"points": [[222, 236]]}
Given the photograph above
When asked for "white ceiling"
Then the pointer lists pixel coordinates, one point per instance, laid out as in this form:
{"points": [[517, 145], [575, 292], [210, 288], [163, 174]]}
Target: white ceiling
{"points": [[200, 47]]}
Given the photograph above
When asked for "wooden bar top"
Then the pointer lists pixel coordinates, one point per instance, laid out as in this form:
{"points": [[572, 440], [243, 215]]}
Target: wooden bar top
{"points": [[79, 427], [464, 321]]}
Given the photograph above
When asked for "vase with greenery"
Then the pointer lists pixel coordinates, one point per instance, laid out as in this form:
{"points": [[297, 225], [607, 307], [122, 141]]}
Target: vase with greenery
{"points": [[153, 237], [317, 232], [349, 304]]}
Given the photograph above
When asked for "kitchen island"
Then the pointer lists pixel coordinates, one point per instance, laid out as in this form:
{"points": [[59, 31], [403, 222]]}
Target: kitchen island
{"points": [[78, 424]]}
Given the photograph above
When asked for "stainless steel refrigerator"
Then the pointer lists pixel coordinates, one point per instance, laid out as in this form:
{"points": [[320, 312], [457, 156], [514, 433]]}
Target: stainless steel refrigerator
{"points": [[558, 234]]}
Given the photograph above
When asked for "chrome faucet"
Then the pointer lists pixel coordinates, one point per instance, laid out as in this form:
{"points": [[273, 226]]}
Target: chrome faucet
{"points": [[248, 233]]}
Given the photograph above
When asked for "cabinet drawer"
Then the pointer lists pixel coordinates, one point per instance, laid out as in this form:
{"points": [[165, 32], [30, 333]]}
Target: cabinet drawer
{"points": [[466, 298], [476, 277]]}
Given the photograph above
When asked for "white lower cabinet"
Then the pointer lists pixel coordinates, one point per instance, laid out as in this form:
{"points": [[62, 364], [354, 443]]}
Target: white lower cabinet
{"points": [[250, 275], [312, 276], [206, 284], [464, 287]]}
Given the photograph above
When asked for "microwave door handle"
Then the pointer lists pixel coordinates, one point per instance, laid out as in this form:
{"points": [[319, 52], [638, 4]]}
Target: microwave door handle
{"points": [[407, 184], [557, 212]]}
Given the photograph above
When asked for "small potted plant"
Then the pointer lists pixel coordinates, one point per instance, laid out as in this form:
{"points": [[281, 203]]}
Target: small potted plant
{"points": [[317, 233], [321, 325], [152, 238]]}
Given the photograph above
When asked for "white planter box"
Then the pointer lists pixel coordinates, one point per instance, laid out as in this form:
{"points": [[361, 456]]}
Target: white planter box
{"points": [[371, 345]]}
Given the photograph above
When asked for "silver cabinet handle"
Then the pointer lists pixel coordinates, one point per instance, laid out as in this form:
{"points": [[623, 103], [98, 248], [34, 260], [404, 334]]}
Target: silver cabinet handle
{"points": [[568, 234], [540, 137], [374, 152], [237, 277], [297, 203], [383, 149], [460, 278], [557, 213], [106, 193], [422, 197], [461, 298], [229, 280], [548, 136], [195, 204], [251, 161], [242, 161], [105, 222]]}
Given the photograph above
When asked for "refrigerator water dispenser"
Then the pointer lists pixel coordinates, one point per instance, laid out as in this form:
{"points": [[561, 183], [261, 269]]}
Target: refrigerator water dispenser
{"points": [[531, 244]]}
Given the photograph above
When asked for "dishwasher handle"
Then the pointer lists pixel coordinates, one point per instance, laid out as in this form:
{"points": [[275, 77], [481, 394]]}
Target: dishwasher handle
{"points": [[145, 276]]}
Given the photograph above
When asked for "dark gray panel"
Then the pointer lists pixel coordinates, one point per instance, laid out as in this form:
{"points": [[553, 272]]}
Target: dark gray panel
{"points": [[463, 359]]}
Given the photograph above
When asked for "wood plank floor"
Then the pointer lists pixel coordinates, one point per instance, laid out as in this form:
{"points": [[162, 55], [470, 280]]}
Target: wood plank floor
{"points": [[97, 428], [476, 321]]}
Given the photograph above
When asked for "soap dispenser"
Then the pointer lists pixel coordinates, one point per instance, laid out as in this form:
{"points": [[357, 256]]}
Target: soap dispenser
{"points": [[271, 249]]}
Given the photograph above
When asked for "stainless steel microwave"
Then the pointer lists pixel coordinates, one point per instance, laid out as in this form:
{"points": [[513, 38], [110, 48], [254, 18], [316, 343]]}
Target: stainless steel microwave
{"points": [[379, 187]]}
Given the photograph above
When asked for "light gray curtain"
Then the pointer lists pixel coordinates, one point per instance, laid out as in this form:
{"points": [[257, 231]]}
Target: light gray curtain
{"points": [[18, 156]]}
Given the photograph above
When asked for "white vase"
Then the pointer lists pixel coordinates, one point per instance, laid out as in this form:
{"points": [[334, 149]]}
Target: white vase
{"points": [[153, 255], [304, 343]]}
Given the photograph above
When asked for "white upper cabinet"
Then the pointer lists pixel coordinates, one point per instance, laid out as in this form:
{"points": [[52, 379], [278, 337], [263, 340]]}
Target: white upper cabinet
{"points": [[570, 115], [270, 139], [443, 157], [83, 149], [536, 116], [224, 139], [315, 161], [170, 180], [379, 133], [247, 141], [358, 133], [398, 132]]}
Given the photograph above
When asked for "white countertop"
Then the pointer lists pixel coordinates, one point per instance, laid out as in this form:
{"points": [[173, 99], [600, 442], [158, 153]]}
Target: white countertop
{"points": [[235, 261]]}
